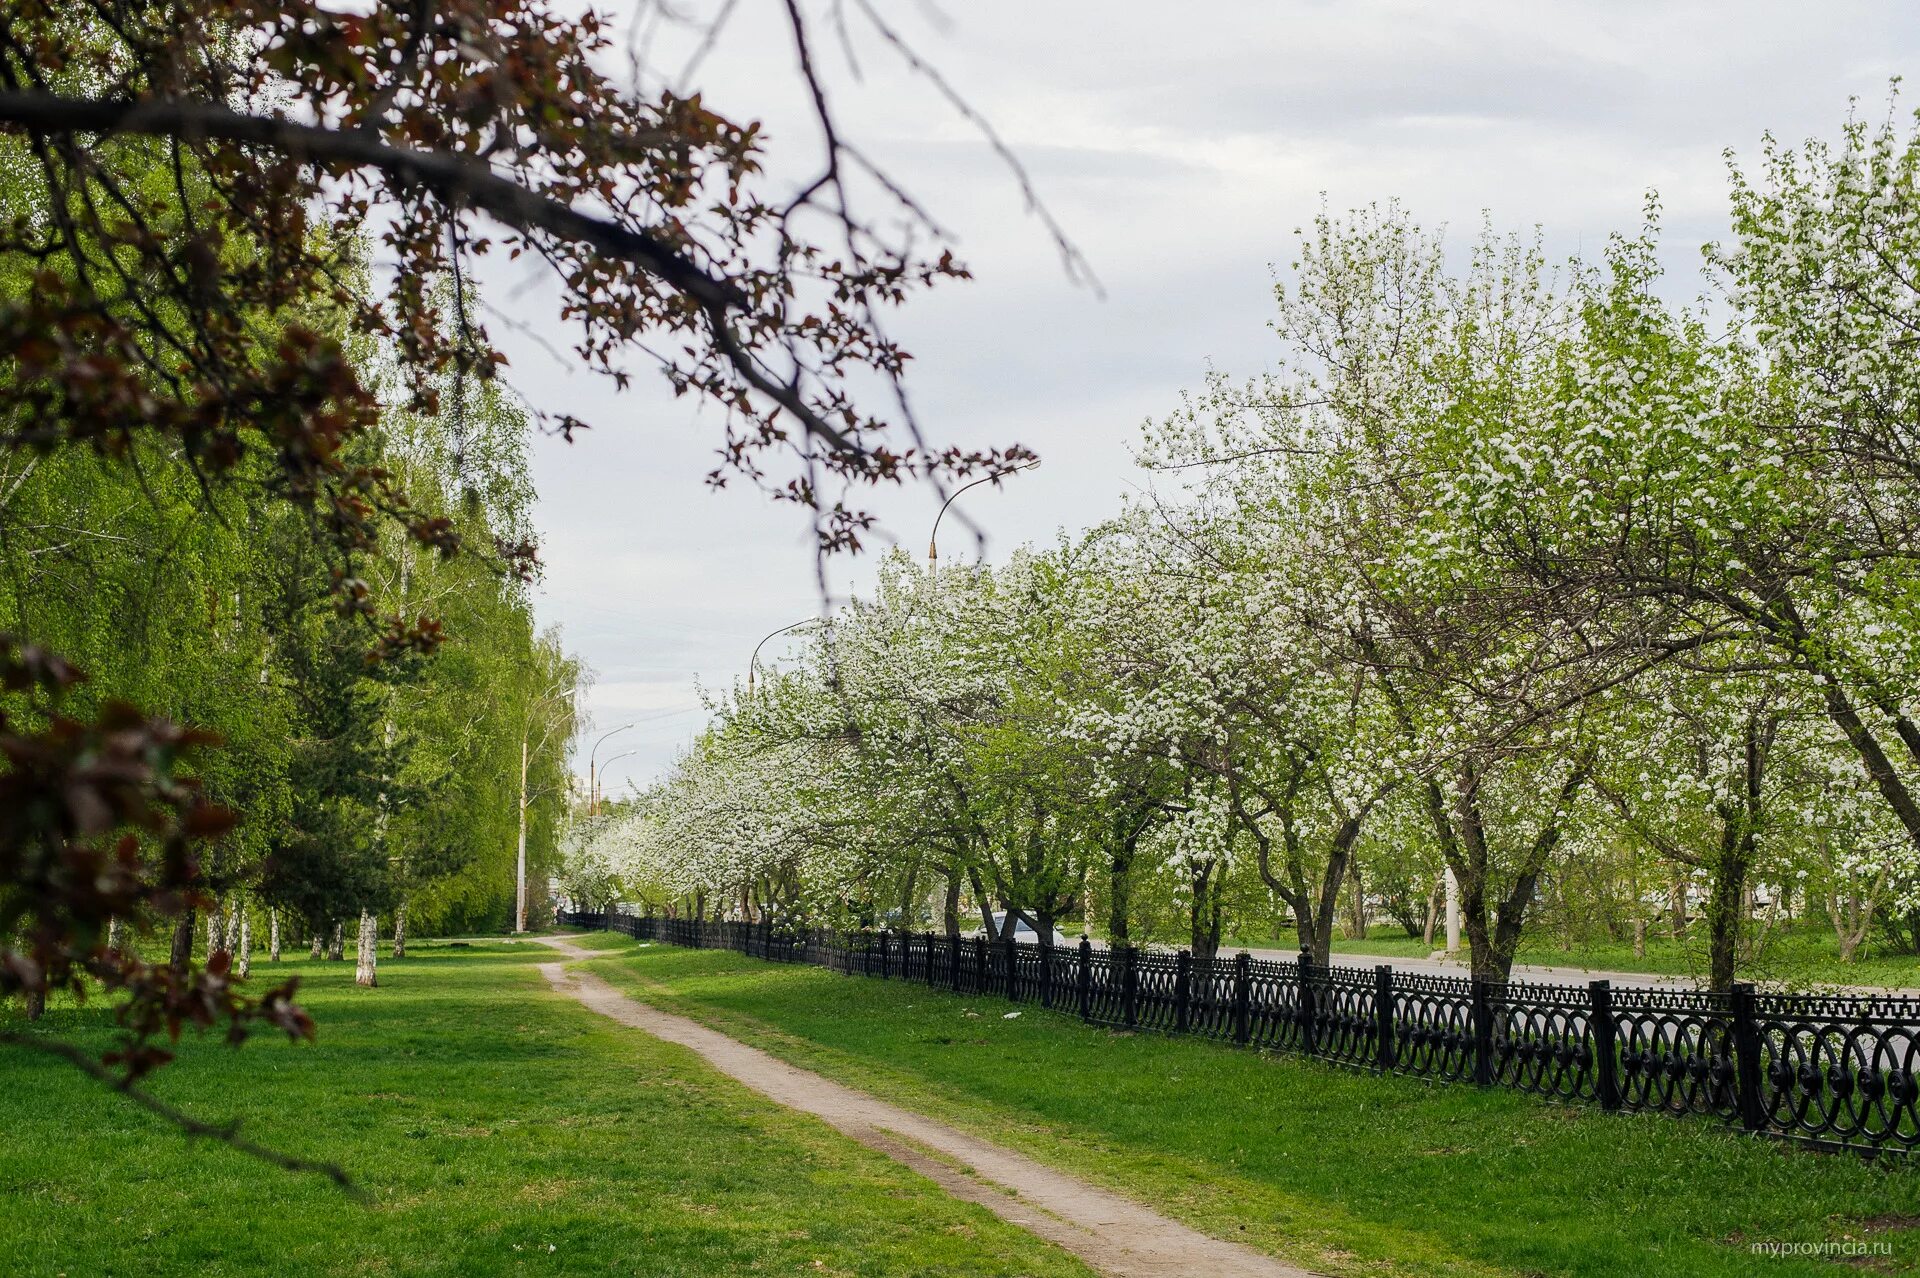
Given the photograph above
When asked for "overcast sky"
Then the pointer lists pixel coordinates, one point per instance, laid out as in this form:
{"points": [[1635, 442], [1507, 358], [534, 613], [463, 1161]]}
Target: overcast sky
{"points": [[1179, 145]]}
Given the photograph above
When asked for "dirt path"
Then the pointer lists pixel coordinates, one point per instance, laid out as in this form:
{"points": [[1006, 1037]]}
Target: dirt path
{"points": [[1112, 1234]]}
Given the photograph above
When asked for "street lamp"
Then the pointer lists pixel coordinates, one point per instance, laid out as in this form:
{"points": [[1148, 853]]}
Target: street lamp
{"points": [[593, 799], [754, 659], [933, 551], [592, 776]]}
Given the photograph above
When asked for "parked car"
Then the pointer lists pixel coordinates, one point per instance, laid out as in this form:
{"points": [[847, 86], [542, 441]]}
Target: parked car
{"points": [[1023, 933]]}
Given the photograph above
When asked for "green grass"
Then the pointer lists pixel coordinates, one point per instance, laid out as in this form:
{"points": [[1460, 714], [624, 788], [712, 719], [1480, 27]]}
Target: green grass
{"points": [[1345, 1172], [497, 1128]]}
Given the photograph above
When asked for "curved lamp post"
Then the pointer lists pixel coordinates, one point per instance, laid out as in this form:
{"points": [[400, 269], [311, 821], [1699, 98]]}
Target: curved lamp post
{"points": [[593, 786], [933, 544], [754, 660], [593, 802]]}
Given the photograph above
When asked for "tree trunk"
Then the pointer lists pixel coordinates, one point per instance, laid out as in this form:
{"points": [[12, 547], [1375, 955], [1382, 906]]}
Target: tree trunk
{"points": [[400, 929], [337, 944], [244, 951], [36, 999], [273, 933], [1723, 918], [1677, 903], [1119, 897], [1120, 882], [1204, 918], [317, 943], [213, 931], [116, 935], [983, 903], [1434, 896], [1313, 917], [952, 916], [366, 952], [909, 906], [182, 955], [1639, 936], [1359, 901], [520, 855], [1206, 930]]}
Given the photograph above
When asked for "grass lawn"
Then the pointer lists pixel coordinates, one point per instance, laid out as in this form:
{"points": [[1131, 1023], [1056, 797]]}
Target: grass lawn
{"points": [[498, 1129], [1344, 1172]]}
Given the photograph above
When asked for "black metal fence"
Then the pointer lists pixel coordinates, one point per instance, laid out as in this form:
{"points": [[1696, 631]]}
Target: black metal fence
{"points": [[1835, 1072]]}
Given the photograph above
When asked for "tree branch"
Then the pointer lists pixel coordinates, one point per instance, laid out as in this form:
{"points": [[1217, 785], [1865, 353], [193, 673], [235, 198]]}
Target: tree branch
{"points": [[459, 179]]}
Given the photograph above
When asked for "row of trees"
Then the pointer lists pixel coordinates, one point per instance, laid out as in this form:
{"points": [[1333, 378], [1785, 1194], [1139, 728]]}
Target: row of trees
{"points": [[1512, 571], [371, 789], [376, 784]]}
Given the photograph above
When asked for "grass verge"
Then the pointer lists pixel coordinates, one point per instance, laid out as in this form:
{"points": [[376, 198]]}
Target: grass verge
{"points": [[497, 1128], [1343, 1172]]}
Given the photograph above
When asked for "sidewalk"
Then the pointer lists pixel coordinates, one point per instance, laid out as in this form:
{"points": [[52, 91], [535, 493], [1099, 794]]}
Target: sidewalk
{"points": [[1545, 974], [1521, 971]]}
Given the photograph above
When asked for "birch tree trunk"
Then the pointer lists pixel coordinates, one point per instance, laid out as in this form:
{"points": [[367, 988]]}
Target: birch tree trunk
{"points": [[366, 952], [244, 953], [336, 947], [400, 929], [116, 935], [213, 930], [273, 934], [520, 858], [316, 943]]}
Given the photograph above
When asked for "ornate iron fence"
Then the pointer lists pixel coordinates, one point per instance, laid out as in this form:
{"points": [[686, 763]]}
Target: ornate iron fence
{"points": [[1834, 1072]]}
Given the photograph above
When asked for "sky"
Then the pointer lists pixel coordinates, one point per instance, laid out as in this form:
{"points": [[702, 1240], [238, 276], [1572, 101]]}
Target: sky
{"points": [[1180, 146]]}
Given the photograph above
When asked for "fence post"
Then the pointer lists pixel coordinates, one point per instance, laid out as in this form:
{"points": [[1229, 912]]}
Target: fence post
{"points": [[884, 973], [979, 964], [953, 962], [1306, 1001], [1482, 1034], [1383, 1044], [1012, 960], [1242, 996], [1182, 990], [1606, 1061], [1046, 971], [1746, 1048], [1085, 982], [1129, 985]]}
